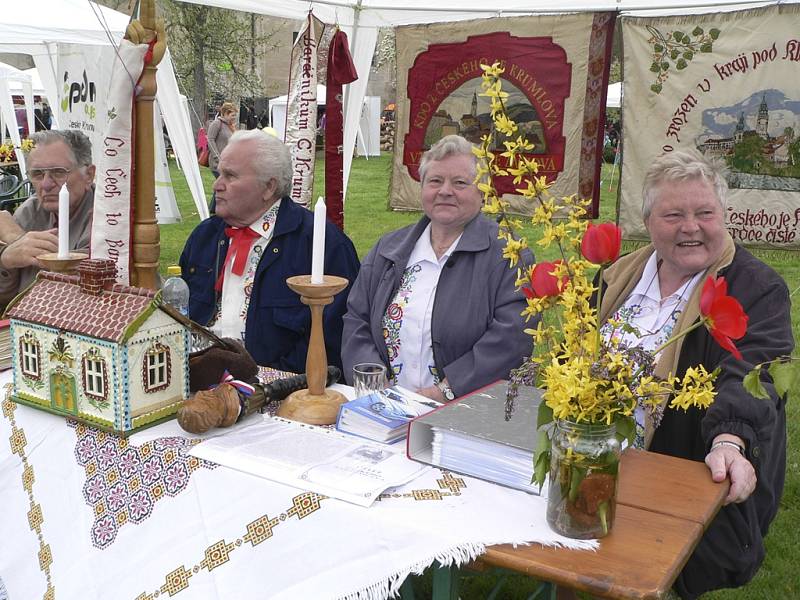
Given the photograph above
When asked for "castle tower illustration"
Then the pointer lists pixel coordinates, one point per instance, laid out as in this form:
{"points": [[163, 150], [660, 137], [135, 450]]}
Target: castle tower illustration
{"points": [[762, 122], [738, 133], [474, 110]]}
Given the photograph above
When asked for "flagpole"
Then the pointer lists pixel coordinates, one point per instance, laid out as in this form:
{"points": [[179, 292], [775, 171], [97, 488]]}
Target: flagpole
{"points": [[145, 235]]}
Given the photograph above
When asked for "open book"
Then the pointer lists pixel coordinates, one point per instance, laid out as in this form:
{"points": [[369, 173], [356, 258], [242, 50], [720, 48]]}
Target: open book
{"points": [[311, 458]]}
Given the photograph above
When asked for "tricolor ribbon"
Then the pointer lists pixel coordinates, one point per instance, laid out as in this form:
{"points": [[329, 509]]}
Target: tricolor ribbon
{"points": [[241, 386]]}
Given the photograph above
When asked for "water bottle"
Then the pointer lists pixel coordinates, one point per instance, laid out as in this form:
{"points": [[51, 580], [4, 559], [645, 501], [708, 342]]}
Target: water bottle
{"points": [[175, 290]]}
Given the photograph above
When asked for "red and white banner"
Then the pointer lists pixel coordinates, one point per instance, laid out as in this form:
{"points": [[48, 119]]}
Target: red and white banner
{"points": [[301, 110], [556, 70]]}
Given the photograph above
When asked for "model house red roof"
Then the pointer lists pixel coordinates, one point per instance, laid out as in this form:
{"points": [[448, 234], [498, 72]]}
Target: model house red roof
{"points": [[61, 301]]}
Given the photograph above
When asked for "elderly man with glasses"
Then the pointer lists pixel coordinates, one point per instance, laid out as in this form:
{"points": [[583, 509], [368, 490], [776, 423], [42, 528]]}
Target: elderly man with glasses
{"points": [[58, 158]]}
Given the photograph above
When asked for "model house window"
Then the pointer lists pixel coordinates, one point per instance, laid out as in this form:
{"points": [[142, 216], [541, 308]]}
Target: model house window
{"points": [[94, 375], [156, 368], [29, 356]]}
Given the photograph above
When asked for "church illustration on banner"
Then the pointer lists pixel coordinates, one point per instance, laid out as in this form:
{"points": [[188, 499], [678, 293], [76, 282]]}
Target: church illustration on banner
{"points": [[473, 124], [764, 157]]}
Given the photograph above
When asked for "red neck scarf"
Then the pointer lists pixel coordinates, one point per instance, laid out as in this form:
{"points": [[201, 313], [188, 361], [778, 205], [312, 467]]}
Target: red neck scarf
{"points": [[241, 241]]}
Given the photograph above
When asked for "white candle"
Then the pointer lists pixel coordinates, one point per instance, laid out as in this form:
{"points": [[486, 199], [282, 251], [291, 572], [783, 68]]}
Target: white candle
{"points": [[63, 222], [318, 251]]}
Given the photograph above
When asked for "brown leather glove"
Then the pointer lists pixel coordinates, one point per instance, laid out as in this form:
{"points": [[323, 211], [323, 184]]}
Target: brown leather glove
{"points": [[210, 408], [206, 367]]}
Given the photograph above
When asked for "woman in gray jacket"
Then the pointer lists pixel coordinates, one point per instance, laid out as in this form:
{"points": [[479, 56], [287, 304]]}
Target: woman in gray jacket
{"points": [[436, 302]]}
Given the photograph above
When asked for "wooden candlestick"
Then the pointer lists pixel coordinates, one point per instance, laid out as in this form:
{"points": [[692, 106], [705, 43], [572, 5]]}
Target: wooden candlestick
{"points": [[315, 405]]}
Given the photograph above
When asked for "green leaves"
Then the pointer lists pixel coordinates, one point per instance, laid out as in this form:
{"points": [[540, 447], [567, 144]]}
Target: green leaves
{"points": [[626, 429], [544, 415], [752, 384], [541, 461], [785, 374], [676, 48]]}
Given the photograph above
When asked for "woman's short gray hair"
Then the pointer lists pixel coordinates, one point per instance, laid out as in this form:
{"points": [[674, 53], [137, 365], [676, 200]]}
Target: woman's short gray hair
{"points": [[683, 165], [270, 159], [449, 145], [78, 143]]}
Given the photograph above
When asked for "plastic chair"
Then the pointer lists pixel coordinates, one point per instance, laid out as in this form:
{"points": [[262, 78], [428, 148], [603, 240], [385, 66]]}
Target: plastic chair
{"points": [[13, 192]]}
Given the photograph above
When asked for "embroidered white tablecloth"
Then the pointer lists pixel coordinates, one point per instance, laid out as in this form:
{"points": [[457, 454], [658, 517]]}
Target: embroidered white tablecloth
{"points": [[87, 515]]}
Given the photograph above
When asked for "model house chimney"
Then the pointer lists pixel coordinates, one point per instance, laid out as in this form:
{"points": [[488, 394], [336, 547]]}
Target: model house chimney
{"points": [[96, 275]]}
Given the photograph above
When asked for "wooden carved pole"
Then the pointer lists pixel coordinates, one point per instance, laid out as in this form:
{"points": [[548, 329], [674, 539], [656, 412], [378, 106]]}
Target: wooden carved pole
{"points": [[145, 235]]}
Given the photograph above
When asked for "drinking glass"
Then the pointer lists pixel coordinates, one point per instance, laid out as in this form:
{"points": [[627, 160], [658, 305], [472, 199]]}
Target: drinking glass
{"points": [[368, 378]]}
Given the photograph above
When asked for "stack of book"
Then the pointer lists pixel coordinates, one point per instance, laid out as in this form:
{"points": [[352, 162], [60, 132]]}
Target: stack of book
{"points": [[383, 416], [471, 436], [5, 345]]}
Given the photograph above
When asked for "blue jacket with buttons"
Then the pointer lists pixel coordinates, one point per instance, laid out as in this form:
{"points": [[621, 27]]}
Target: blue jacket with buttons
{"points": [[278, 324]]}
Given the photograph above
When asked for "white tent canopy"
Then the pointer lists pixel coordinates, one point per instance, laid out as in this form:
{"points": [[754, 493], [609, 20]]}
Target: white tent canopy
{"points": [[8, 76], [361, 19], [36, 82], [36, 27]]}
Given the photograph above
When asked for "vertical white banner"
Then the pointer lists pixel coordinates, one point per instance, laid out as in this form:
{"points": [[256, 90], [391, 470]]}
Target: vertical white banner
{"points": [[97, 97], [301, 110], [83, 77]]}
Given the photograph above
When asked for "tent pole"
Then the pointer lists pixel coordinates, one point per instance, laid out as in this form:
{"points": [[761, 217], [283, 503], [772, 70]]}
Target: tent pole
{"points": [[145, 235]]}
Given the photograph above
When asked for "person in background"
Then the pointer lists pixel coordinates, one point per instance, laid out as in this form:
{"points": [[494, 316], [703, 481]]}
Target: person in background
{"points": [[219, 132], [59, 157], [657, 290], [436, 302], [236, 263]]}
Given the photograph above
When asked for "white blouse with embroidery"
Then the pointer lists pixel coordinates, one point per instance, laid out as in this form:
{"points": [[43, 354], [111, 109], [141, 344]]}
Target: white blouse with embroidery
{"points": [[652, 317], [407, 321]]}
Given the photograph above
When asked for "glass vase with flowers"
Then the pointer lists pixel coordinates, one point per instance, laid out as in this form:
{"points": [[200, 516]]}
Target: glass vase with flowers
{"points": [[592, 380]]}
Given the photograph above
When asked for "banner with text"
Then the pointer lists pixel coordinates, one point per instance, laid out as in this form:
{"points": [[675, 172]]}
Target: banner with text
{"points": [[556, 71], [301, 110], [97, 98], [724, 84]]}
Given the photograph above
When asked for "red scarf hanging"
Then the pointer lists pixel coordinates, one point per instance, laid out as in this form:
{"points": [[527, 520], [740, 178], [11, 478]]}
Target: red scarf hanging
{"points": [[341, 70], [241, 241]]}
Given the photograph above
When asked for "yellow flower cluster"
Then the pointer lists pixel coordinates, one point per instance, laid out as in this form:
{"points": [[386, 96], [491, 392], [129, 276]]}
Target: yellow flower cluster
{"points": [[584, 378], [7, 149]]}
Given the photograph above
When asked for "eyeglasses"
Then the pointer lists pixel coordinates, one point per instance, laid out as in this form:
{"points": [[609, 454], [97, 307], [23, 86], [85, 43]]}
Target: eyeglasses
{"points": [[57, 174]]}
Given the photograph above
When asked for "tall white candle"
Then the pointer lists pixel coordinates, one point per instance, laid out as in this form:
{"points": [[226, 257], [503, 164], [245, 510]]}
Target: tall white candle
{"points": [[318, 251], [63, 222]]}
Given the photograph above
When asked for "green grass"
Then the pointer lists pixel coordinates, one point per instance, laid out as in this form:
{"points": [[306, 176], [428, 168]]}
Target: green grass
{"points": [[367, 218]]}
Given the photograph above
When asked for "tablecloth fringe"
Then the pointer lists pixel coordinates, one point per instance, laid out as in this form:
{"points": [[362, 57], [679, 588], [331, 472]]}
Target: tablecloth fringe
{"points": [[390, 587]]}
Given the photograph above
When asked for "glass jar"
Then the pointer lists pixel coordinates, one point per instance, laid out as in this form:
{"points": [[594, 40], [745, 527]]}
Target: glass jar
{"points": [[584, 464]]}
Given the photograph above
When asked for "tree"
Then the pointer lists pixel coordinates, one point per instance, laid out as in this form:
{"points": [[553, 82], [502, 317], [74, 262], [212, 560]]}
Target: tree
{"points": [[748, 155], [214, 52]]}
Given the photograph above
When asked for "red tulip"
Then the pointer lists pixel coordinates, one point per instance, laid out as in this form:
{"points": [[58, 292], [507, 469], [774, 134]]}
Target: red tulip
{"points": [[601, 243], [543, 282], [723, 314]]}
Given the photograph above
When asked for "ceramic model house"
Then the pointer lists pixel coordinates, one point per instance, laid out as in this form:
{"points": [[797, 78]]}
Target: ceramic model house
{"points": [[97, 351]]}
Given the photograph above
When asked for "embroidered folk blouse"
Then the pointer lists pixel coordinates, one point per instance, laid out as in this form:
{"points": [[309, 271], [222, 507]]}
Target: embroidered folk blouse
{"points": [[407, 321], [652, 318]]}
